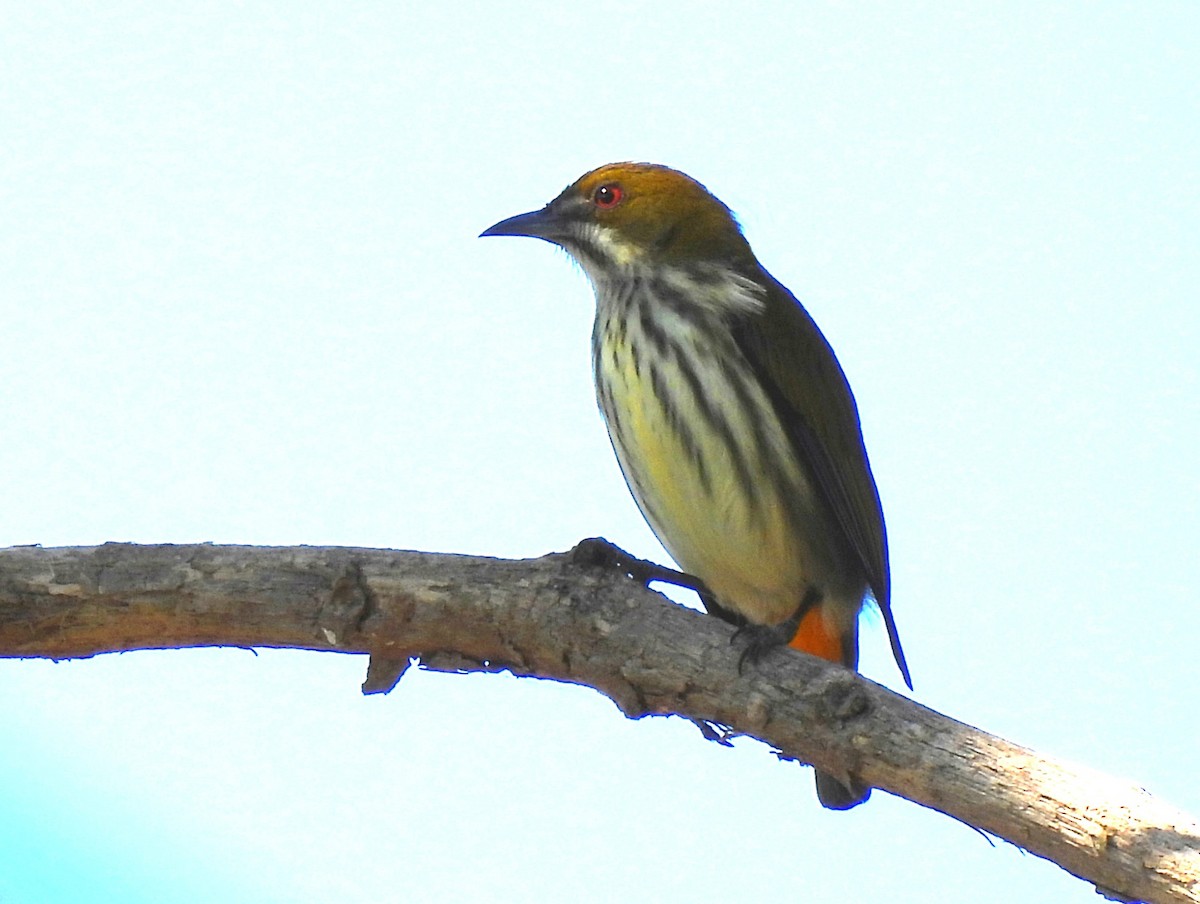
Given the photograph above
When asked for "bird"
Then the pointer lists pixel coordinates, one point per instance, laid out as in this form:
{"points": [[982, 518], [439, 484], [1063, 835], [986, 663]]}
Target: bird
{"points": [[733, 423]]}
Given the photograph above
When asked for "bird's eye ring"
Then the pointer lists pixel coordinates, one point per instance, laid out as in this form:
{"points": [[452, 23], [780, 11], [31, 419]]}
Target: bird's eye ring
{"points": [[607, 196]]}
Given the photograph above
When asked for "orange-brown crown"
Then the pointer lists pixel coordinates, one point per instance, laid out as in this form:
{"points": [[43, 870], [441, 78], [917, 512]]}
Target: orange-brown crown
{"points": [[627, 214], [662, 213]]}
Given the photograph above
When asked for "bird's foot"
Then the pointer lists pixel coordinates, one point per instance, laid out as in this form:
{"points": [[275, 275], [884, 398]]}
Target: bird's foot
{"points": [[596, 552], [759, 641], [762, 639]]}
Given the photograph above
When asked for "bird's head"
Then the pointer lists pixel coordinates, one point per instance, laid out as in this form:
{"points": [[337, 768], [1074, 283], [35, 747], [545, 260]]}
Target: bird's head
{"points": [[624, 216]]}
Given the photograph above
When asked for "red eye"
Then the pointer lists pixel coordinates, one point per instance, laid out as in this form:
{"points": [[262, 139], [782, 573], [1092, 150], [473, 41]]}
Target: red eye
{"points": [[607, 196]]}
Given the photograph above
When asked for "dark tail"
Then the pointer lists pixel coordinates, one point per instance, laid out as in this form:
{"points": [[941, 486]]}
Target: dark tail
{"points": [[836, 796]]}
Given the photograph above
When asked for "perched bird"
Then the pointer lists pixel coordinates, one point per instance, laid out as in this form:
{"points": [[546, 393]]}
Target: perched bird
{"points": [[730, 416]]}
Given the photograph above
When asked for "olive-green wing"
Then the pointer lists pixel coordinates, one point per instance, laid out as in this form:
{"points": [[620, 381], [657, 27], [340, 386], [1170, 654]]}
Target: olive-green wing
{"points": [[812, 396]]}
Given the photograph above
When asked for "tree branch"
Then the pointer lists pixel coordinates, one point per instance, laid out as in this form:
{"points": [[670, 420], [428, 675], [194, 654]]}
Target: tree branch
{"points": [[553, 618]]}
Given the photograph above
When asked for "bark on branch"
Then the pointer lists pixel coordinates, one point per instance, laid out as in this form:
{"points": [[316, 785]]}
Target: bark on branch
{"points": [[553, 618]]}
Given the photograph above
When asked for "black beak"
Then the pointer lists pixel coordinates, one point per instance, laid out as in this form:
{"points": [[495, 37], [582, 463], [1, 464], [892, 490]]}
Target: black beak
{"points": [[545, 224]]}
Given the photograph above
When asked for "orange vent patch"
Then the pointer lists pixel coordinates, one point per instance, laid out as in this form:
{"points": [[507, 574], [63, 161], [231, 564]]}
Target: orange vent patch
{"points": [[815, 636]]}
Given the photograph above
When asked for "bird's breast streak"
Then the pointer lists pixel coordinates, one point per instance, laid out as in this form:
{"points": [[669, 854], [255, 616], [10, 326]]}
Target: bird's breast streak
{"points": [[682, 473]]}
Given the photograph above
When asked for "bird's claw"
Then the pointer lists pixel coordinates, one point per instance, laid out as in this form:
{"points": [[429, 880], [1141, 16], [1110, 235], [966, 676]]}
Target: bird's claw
{"points": [[760, 640], [596, 552]]}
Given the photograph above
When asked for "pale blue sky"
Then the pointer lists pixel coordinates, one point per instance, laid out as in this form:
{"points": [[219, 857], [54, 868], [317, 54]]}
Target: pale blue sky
{"points": [[243, 301]]}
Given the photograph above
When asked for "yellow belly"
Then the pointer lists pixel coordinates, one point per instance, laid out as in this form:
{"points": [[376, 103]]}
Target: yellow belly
{"points": [[741, 532]]}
